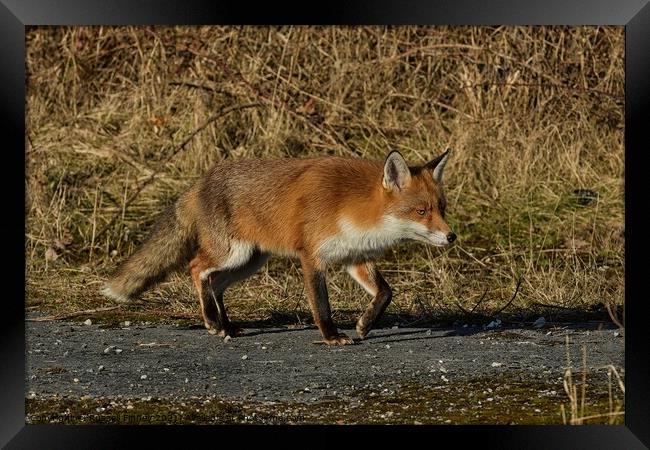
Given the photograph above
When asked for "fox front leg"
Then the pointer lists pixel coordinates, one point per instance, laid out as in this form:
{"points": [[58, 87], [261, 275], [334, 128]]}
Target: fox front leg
{"points": [[369, 277], [316, 291]]}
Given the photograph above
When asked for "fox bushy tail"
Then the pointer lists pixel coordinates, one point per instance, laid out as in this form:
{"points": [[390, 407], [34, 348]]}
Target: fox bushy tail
{"points": [[170, 244]]}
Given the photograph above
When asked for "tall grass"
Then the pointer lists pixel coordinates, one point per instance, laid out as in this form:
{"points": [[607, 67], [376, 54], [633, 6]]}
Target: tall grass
{"points": [[533, 113], [579, 412]]}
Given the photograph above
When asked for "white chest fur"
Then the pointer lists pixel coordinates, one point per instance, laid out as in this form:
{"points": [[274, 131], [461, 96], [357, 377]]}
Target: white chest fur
{"points": [[353, 242]]}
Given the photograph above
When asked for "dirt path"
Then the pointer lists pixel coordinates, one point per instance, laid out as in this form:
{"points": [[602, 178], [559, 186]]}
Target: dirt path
{"points": [[283, 365]]}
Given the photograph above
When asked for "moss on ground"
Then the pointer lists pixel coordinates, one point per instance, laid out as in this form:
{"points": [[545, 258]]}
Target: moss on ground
{"points": [[512, 399]]}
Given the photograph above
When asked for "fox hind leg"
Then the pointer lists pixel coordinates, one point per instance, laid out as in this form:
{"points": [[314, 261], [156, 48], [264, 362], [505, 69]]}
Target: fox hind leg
{"points": [[200, 268], [369, 277], [213, 285]]}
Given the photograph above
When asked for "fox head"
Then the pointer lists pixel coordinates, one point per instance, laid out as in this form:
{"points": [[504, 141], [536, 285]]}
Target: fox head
{"points": [[415, 199]]}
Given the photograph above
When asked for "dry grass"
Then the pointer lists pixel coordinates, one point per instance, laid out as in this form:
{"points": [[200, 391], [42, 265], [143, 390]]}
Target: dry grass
{"points": [[533, 114], [579, 412]]}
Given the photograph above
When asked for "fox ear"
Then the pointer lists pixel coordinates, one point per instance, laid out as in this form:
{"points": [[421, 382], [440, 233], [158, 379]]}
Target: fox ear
{"points": [[438, 165], [396, 172]]}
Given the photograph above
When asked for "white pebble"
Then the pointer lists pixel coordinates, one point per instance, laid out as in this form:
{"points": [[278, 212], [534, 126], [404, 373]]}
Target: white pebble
{"points": [[88, 322]]}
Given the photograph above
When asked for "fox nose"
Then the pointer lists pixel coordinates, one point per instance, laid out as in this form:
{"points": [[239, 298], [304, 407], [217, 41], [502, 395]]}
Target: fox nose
{"points": [[451, 237]]}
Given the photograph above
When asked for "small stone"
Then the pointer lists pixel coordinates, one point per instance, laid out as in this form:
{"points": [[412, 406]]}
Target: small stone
{"points": [[143, 377], [118, 350], [76, 380], [108, 349], [88, 322], [387, 346], [127, 323], [227, 339], [494, 324], [428, 332], [100, 368], [539, 323], [497, 364], [245, 357]]}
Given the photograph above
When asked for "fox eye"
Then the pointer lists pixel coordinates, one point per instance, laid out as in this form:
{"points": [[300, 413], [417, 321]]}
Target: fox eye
{"points": [[420, 211]]}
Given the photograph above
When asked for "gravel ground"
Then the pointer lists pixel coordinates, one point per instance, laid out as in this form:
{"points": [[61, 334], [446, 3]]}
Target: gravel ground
{"points": [[169, 362]]}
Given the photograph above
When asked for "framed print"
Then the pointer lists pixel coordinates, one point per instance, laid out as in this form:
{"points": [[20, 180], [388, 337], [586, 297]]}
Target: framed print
{"points": [[397, 214]]}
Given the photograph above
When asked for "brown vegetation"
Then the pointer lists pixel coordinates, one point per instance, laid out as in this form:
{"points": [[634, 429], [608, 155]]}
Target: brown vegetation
{"points": [[121, 120]]}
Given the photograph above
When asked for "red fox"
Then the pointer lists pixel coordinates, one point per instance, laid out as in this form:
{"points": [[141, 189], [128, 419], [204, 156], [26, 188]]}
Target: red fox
{"points": [[322, 210]]}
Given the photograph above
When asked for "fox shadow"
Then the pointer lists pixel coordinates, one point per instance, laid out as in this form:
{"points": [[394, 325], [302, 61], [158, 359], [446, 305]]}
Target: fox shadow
{"points": [[393, 327]]}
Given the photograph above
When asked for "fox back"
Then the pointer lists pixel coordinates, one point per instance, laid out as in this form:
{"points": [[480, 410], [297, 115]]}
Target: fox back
{"points": [[338, 209]]}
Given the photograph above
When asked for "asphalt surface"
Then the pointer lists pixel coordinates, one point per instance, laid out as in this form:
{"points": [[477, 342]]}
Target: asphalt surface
{"points": [[280, 364]]}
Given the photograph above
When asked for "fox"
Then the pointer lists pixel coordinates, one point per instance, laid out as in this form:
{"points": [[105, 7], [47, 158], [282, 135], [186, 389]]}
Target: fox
{"points": [[324, 211]]}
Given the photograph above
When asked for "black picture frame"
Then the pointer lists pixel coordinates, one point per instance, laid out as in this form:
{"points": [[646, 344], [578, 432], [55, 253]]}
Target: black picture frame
{"points": [[633, 14]]}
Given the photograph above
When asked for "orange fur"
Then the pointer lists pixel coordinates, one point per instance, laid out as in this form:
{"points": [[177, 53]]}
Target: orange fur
{"points": [[322, 210]]}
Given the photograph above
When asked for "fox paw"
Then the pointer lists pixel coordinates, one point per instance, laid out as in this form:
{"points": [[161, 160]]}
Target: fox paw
{"points": [[362, 329], [338, 339], [231, 332], [224, 333]]}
